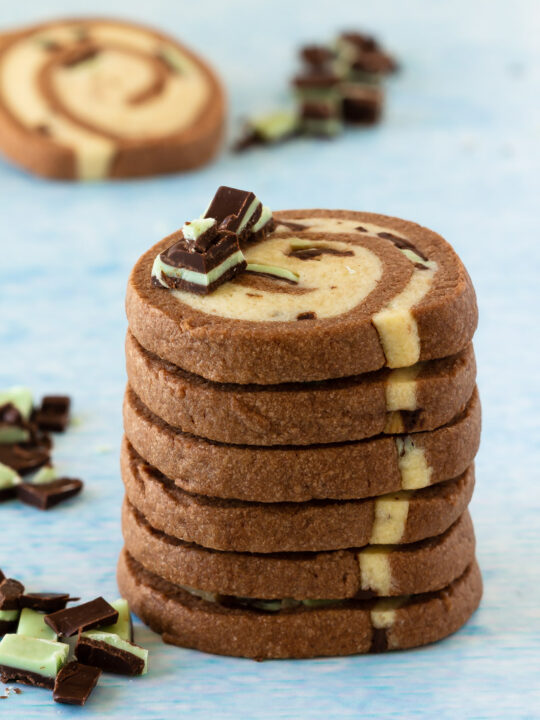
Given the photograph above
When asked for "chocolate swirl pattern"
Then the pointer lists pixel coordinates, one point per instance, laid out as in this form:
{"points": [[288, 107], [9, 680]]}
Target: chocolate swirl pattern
{"points": [[372, 291], [100, 98]]}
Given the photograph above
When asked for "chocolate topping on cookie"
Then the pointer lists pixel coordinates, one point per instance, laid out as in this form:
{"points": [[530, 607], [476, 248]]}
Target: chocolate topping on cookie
{"points": [[206, 252]]}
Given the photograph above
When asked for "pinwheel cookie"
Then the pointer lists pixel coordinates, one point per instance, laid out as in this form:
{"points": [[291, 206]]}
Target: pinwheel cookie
{"points": [[93, 98]]}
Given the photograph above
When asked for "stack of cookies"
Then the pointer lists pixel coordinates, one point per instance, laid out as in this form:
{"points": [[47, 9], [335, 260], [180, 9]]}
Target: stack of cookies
{"points": [[301, 422]]}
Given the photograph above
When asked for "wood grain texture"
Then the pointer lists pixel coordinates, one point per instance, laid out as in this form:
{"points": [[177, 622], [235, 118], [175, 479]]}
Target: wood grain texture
{"points": [[456, 152]]}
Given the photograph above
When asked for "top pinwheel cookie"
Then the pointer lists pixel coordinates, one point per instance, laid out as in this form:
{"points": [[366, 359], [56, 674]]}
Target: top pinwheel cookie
{"points": [[95, 98], [244, 296]]}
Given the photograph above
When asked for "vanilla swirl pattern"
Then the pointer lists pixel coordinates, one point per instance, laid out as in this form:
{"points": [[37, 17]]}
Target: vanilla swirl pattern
{"points": [[101, 98]]}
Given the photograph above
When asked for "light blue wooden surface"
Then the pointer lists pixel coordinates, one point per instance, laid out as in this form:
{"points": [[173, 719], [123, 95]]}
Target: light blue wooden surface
{"points": [[457, 152]]}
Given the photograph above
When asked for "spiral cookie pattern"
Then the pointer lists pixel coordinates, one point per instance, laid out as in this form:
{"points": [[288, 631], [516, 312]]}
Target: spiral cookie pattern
{"points": [[97, 98], [372, 291]]}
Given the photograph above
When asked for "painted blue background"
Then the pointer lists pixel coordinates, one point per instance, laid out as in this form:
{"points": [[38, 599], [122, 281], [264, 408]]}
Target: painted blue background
{"points": [[457, 151]]}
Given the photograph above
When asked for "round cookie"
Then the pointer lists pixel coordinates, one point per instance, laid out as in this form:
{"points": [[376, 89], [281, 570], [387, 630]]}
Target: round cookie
{"points": [[373, 291], [298, 474], [355, 626], [404, 517], [91, 98], [422, 397], [384, 570]]}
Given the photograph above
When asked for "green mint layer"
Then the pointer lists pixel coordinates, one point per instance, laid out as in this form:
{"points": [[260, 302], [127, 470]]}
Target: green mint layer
{"points": [[32, 624], [8, 615], [44, 475], [278, 272], [44, 657], [192, 276], [19, 396], [8, 477], [119, 643], [266, 215], [122, 627]]}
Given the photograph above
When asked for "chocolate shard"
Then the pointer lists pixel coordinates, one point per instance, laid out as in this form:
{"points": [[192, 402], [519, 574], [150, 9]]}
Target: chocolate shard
{"points": [[200, 235], [319, 79], [46, 602], [24, 457], [74, 683], [48, 495], [10, 594], [199, 272], [53, 414], [317, 55], [110, 653], [234, 210], [66, 623]]}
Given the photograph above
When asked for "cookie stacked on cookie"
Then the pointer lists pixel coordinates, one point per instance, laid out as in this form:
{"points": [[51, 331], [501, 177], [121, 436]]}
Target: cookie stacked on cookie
{"points": [[301, 422]]}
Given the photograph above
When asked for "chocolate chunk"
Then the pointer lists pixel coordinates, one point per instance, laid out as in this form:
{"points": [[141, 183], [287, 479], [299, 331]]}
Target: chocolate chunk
{"points": [[78, 55], [362, 41], [53, 414], [318, 110], [306, 316], [48, 495], [10, 593], [74, 683], [66, 623], [27, 456], [410, 418], [361, 103], [316, 55], [200, 234], [2, 576], [402, 244], [360, 228], [46, 602], [319, 79], [43, 129], [311, 253], [110, 658], [234, 210], [25, 677], [297, 227], [199, 272]]}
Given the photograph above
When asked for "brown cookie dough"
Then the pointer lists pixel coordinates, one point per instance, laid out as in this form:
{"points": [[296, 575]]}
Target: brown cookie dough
{"points": [[297, 474], [90, 98], [402, 517], [365, 572], [414, 399], [356, 626], [373, 291]]}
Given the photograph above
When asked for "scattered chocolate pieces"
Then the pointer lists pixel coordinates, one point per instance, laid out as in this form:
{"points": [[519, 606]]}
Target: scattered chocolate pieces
{"points": [[206, 252], [338, 84], [111, 653], [47, 495], [53, 414], [74, 683], [25, 447], [67, 622], [33, 650], [45, 602]]}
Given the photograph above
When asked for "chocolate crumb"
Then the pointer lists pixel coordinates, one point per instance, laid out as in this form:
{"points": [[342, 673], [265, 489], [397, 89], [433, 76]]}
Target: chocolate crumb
{"points": [[360, 229], [43, 129], [306, 316]]}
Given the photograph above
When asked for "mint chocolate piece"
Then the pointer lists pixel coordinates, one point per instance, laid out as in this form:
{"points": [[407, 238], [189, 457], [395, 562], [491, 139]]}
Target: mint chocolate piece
{"points": [[181, 268], [234, 210], [111, 653], [31, 661], [66, 623], [199, 234], [13, 427], [10, 594], [47, 495], [74, 683], [53, 414], [45, 602]]}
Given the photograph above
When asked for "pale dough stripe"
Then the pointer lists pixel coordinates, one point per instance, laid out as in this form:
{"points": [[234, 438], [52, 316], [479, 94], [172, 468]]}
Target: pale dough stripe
{"points": [[389, 523], [413, 466]]}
